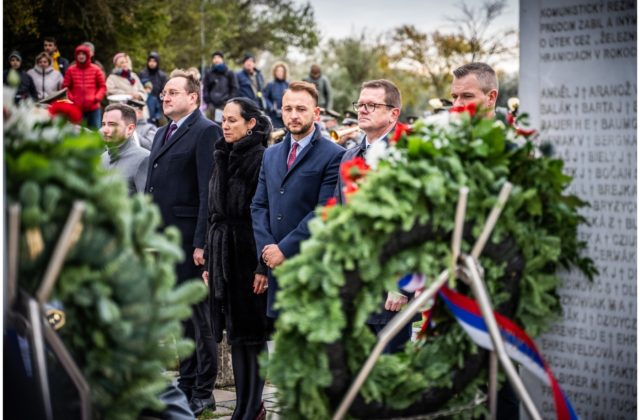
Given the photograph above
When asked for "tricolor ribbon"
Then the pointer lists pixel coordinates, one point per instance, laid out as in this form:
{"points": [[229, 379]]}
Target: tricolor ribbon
{"points": [[519, 346]]}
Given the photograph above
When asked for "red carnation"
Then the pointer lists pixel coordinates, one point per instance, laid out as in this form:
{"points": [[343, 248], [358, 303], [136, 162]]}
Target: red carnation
{"points": [[525, 132], [67, 110], [353, 169], [401, 130], [471, 108], [325, 210], [510, 119]]}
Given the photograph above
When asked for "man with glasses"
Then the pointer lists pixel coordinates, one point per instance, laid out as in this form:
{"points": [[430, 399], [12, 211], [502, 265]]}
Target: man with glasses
{"points": [[180, 166], [378, 109]]}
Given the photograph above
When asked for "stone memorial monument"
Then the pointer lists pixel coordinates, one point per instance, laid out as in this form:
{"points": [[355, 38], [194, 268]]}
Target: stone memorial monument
{"points": [[578, 82]]}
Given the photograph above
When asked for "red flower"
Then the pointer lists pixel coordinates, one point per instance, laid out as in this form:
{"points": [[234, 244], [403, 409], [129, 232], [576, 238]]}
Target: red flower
{"points": [[353, 169], [401, 130], [471, 108], [67, 110], [525, 132], [510, 118], [325, 210], [348, 189]]}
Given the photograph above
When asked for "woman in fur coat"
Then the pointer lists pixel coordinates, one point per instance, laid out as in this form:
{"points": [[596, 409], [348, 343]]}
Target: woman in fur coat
{"points": [[237, 281]]}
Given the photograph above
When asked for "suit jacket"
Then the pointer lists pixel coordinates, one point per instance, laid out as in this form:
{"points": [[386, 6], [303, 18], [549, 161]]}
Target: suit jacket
{"points": [[285, 200], [178, 179], [383, 316]]}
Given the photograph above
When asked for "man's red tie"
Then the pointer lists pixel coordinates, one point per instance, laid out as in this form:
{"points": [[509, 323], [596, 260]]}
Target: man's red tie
{"points": [[292, 155]]}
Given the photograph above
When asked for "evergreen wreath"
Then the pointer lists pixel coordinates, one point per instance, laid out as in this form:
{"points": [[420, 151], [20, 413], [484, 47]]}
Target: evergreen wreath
{"points": [[399, 219], [117, 287]]}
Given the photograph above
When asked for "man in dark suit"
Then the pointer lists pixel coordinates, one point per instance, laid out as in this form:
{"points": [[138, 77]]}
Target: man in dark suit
{"points": [[180, 166], [378, 109], [296, 175]]}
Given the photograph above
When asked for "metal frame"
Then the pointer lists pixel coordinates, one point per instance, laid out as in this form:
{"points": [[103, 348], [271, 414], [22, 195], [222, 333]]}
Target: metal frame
{"points": [[40, 331], [465, 266]]}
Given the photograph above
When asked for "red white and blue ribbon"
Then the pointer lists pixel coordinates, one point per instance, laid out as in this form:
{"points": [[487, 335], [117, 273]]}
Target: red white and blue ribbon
{"points": [[518, 345]]}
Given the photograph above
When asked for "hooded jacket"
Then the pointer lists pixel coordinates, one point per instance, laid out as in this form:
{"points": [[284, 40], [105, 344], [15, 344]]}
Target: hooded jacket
{"points": [[85, 82], [157, 77], [46, 81], [220, 85]]}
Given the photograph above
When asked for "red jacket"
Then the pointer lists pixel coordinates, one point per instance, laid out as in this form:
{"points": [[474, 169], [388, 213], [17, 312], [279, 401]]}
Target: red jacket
{"points": [[85, 82]]}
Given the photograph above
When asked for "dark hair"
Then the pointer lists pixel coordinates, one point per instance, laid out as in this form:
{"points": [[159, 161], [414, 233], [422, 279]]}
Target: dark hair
{"points": [[300, 86], [248, 110], [483, 72], [391, 92], [50, 39], [128, 113], [192, 85]]}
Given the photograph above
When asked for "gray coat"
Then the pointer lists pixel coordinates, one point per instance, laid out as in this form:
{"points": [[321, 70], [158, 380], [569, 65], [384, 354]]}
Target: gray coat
{"points": [[145, 131], [131, 162]]}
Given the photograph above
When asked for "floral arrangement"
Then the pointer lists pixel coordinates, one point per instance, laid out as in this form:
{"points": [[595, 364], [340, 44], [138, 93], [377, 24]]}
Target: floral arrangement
{"points": [[399, 219], [117, 287]]}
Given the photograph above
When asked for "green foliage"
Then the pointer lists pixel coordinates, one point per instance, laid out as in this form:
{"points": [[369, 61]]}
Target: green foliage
{"points": [[117, 286], [417, 183], [173, 28]]}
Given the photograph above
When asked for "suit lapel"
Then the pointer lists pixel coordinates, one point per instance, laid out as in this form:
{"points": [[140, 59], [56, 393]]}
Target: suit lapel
{"points": [[175, 137]]}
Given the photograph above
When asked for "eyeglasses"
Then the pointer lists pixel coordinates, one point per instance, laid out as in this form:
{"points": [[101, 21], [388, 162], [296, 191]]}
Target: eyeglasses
{"points": [[369, 107], [171, 93]]}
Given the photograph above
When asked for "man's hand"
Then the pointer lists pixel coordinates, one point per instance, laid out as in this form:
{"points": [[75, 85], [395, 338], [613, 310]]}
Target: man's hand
{"points": [[205, 277], [272, 256], [198, 256], [260, 284], [395, 301]]}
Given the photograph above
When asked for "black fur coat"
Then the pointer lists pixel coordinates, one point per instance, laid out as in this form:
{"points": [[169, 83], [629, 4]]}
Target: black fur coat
{"points": [[231, 249]]}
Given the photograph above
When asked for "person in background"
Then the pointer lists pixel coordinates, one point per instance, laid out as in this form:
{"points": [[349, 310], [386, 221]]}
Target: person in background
{"points": [[45, 79], [16, 77], [123, 152], [123, 81], [353, 138], [92, 49], [86, 86], [219, 85], [325, 97], [250, 81], [237, 279], [273, 93], [158, 78], [50, 46], [180, 168], [145, 130]]}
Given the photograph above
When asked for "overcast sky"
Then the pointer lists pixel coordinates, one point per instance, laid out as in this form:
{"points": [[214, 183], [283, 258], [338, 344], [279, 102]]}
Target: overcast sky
{"points": [[341, 18]]}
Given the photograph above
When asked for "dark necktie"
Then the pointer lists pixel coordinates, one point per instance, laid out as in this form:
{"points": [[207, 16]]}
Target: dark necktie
{"points": [[363, 150], [170, 131], [292, 155]]}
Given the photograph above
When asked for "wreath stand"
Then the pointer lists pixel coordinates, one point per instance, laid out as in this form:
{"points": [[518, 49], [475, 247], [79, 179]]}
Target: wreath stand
{"points": [[32, 317], [466, 268]]}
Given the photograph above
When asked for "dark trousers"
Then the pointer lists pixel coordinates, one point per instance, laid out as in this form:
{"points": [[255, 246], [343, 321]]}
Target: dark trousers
{"points": [[397, 343], [198, 372], [249, 384], [93, 119]]}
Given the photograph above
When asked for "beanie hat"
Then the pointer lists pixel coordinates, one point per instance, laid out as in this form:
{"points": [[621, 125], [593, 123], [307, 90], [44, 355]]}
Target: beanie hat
{"points": [[15, 54], [117, 57]]}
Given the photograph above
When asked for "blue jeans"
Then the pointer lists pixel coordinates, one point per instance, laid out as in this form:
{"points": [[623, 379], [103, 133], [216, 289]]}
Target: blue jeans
{"points": [[93, 119], [155, 110]]}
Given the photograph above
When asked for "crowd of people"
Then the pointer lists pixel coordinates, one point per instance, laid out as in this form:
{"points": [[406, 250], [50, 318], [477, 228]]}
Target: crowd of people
{"points": [[240, 195]]}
